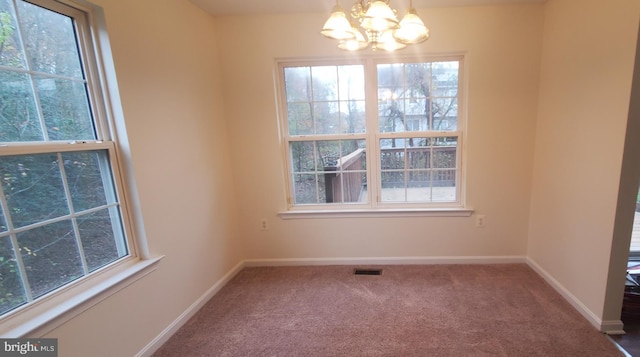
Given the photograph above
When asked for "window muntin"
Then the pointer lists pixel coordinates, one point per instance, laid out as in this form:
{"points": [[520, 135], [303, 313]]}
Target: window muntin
{"points": [[409, 141], [61, 216]]}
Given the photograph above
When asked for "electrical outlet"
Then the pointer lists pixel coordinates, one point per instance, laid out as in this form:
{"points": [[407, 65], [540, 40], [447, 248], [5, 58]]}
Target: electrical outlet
{"points": [[480, 221], [264, 225]]}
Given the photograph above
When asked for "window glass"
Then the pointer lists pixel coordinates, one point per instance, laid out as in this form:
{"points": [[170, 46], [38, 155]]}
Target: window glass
{"points": [[418, 96], [328, 171], [50, 101], [414, 136], [60, 214], [65, 218], [325, 100], [418, 169]]}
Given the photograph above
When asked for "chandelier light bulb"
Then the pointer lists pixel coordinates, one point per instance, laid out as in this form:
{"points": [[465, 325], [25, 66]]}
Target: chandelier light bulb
{"points": [[355, 44]]}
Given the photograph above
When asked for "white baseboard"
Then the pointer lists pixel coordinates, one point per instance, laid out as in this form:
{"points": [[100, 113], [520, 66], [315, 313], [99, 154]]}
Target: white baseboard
{"points": [[612, 327], [385, 261], [164, 336]]}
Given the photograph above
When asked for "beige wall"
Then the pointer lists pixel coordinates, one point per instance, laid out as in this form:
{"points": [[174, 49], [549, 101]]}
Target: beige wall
{"points": [[587, 66], [167, 68], [502, 45], [198, 97]]}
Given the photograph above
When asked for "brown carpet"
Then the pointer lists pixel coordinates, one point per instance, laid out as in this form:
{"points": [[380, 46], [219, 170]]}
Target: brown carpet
{"points": [[409, 310]]}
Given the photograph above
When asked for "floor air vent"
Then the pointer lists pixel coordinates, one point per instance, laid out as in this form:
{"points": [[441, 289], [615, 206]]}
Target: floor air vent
{"points": [[359, 271]]}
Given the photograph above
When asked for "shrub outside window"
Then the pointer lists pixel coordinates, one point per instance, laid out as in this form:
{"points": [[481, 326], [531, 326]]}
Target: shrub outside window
{"points": [[373, 133], [61, 212]]}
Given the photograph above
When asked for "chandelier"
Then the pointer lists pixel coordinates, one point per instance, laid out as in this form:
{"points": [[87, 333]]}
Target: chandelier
{"points": [[378, 21]]}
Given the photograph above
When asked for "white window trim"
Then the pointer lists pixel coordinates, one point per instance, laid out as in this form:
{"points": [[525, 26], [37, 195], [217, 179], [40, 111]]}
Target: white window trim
{"points": [[47, 313], [54, 309], [375, 208]]}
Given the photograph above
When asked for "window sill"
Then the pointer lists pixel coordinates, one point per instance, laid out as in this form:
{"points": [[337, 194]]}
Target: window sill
{"points": [[47, 314], [378, 213]]}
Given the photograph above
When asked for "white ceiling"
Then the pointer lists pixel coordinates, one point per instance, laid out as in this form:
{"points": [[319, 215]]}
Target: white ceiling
{"points": [[252, 7]]}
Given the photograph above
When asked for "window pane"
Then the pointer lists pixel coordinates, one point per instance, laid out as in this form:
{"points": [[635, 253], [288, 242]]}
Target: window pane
{"points": [[302, 156], [328, 154], [33, 188], [391, 115], [392, 158], [300, 118], [327, 118], [298, 84], [86, 179], [19, 119], [334, 171], [325, 83], [334, 104], [445, 114], [11, 290], [308, 189], [50, 255], [445, 83], [444, 157], [11, 54], [418, 169], [393, 186], [50, 41], [100, 243], [418, 154], [351, 83], [65, 107], [352, 117], [418, 96]]}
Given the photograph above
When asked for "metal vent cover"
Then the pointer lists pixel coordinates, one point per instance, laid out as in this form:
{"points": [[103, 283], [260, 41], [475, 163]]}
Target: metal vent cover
{"points": [[367, 271]]}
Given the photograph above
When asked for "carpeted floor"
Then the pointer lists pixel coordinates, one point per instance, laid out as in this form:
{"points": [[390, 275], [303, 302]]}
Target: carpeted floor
{"points": [[413, 310]]}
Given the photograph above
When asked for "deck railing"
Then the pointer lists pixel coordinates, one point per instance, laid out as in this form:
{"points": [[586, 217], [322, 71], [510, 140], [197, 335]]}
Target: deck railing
{"points": [[419, 157], [344, 180]]}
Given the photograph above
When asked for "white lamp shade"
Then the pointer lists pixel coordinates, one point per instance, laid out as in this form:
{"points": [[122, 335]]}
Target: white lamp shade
{"points": [[337, 26], [379, 17], [412, 30]]}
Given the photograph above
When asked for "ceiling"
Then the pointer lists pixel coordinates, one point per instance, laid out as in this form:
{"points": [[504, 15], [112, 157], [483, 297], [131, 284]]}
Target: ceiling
{"points": [[253, 7]]}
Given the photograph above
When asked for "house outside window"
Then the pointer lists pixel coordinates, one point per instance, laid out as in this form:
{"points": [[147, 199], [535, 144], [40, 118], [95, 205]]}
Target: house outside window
{"points": [[373, 133], [62, 212]]}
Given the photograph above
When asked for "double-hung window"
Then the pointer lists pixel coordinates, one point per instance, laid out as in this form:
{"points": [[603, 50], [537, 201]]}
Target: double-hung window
{"points": [[62, 216], [373, 133]]}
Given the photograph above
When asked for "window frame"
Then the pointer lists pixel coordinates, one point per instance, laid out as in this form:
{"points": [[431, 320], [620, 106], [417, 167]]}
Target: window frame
{"points": [[374, 206], [45, 313]]}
